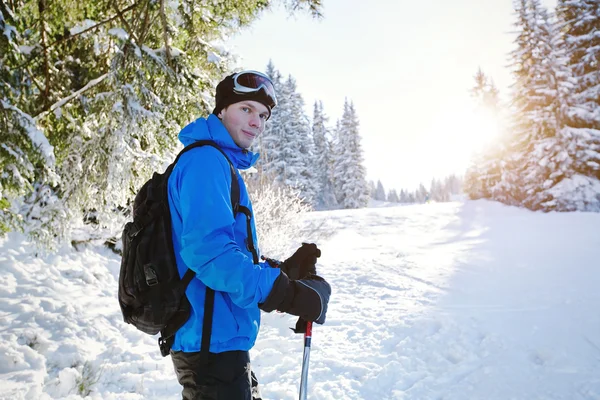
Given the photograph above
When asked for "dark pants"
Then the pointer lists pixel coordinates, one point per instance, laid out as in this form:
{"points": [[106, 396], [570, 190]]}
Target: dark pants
{"points": [[226, 377]]}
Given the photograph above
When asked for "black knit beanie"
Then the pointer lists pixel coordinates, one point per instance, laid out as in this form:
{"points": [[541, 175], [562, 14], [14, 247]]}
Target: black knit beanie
{"points": [[225, 96]]}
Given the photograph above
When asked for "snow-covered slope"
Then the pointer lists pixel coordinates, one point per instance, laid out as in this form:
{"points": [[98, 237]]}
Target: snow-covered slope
{"points": [[470, 300]]}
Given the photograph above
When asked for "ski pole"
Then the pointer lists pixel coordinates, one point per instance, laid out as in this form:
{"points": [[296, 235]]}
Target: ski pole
{"points": [[305, 359]]}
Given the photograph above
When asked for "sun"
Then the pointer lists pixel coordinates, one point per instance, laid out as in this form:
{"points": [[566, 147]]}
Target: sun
{"points": [[457, 134]]}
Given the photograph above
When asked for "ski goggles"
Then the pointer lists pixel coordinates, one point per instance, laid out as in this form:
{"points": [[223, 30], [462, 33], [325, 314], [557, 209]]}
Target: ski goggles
{"points": [[253, 81]]}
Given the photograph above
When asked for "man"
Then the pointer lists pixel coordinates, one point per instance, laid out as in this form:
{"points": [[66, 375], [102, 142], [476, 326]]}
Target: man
{"points": [[214, 243]]}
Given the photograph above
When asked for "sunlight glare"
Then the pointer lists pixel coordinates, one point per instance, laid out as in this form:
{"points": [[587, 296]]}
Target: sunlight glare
{"points": [[457, 134]]}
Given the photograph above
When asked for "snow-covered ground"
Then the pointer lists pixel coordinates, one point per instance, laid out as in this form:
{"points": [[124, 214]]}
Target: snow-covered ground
{"points": [[470, 300]]}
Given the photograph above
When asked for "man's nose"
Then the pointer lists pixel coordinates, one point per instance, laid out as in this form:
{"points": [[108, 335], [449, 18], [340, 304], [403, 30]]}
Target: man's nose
{"points": [[255, 121]]}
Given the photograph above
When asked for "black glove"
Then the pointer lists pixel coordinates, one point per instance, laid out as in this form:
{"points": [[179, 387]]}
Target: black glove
{"points": [[302, 263], [306, 298]]}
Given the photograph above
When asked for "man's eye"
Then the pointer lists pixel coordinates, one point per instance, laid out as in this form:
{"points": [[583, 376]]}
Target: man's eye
{"points": [[245, 109], [263, 117]]}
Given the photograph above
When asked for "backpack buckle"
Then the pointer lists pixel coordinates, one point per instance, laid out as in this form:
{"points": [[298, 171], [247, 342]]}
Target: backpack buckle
{"points": [[137, 228], [151, 278], [165, 345]]}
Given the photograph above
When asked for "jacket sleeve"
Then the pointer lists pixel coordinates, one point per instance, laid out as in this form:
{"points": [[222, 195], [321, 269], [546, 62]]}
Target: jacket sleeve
{"points": [[208, 246]]}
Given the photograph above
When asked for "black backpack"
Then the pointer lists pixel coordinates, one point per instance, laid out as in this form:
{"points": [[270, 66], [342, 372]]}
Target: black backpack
{"points": [[151, 293]]}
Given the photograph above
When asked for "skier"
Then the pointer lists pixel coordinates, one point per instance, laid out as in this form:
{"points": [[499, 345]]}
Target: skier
{"points": [[219, 247]]}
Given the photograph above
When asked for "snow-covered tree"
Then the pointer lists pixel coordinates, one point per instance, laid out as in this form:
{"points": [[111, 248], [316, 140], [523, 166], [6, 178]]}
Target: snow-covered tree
{"points": [[296, 153], [352, 190], [393, 196], [325, 196], [546, 152], [421, 194], [579, 21], [93, 95], [380, 192], [548, 160], [268, 143], [372, 189], [403, 196], [486, 169]]}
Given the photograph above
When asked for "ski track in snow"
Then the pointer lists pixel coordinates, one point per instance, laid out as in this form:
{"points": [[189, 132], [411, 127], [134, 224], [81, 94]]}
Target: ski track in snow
{"points": [[470, 300]]}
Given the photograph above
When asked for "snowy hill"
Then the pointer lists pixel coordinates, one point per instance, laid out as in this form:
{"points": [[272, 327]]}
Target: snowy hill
{"points": [[470, 300]]}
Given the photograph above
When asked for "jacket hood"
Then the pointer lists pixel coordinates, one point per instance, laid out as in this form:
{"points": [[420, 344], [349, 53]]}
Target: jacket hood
{"points": [[212, 128]]}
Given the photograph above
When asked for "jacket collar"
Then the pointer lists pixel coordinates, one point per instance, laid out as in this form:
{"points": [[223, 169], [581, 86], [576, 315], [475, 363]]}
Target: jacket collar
{"points": [[212, 128]]}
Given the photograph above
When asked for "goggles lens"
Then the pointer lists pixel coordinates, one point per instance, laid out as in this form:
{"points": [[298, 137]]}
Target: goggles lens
{"points": [[251, 81]]}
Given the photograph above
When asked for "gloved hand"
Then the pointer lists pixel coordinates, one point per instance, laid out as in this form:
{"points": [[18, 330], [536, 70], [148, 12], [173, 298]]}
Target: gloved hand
{"points": [[302, 263], [307, 298]]}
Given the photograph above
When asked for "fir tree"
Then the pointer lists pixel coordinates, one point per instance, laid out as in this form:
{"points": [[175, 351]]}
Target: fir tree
{"points": [[486, 169], [297, 149], [269, 143], [380, 192], [372, 189], [92, 95], [393, 196], [325, 197], [579, 21], [350, 174]]}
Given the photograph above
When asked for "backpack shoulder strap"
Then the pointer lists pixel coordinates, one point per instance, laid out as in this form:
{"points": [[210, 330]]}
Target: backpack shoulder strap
{"points": [[235, 186]]}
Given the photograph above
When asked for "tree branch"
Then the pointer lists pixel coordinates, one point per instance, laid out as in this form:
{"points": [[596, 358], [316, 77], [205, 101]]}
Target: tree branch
{"points": [[69, 37], [35, 82], [131, 7], [144, 26], [42, 9], [165, 32], [124, 21], [70, 97]]}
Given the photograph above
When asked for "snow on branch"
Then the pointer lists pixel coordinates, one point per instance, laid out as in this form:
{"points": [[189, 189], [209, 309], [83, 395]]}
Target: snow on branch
{"points": [[64, 101], [36, 136]]}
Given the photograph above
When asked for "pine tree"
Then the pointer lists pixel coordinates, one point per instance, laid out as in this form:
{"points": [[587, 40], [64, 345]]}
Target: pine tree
{"points": [[269, 143], [393, 196], [350, 174], [403, 196], [372, 189], [548, 163], [297, 144], [528, 167], [325, 197], [421, 194], [93, 95], [579, 21], [485, 171], [380, 192]]}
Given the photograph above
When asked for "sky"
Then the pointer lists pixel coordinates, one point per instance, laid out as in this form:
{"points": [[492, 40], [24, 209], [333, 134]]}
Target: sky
{"points": [[407, 66], [453, 301]]}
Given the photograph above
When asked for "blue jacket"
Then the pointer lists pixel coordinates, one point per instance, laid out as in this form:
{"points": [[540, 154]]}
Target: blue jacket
{"points": [[208, 240]]}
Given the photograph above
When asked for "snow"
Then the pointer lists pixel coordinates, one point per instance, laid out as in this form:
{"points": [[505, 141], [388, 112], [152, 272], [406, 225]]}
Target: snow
{"points": [[9, 31], [119, 33], [26, 49], [173, 51], [37, 137], [82, 26], [472, 300], [213, 57]]}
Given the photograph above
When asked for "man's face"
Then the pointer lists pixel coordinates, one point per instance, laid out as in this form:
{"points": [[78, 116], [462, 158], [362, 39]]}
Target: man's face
{"points": [[244, 121]]}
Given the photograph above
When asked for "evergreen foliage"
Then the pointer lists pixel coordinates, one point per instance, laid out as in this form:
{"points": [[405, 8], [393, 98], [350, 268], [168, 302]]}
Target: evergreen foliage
{"points": [[551, 158], [380, 192], [93, 94], [350, 181], [325, 196]]}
